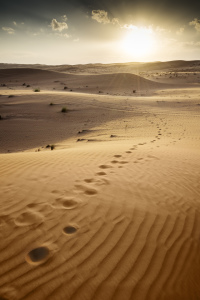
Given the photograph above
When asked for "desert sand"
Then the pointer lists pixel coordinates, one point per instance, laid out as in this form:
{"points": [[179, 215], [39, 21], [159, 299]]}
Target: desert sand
{"points": [[113, 210]]}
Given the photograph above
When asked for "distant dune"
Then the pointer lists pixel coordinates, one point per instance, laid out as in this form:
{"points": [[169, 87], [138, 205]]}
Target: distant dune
{"points": [[117, 83], [131, 67]]}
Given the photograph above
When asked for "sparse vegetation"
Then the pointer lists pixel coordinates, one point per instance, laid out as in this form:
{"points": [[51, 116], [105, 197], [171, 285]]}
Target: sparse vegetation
{"points": [[64, 110], [134, 91], [0, 117], [37, 90], [28, 85], [51, 104], [51, 146], [24, 84], [10, 96], [65, 88]]}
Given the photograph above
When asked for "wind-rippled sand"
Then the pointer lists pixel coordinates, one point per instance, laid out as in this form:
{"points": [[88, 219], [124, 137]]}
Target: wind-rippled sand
{"points": [[113, 212]]}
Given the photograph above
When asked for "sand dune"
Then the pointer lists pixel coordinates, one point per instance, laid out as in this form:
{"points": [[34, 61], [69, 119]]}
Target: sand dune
{"points": [[131, 67], [118, 83], [113, 212]]}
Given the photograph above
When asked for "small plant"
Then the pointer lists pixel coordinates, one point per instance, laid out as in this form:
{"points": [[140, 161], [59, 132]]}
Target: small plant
{"points": [[134, 91], [64, 110], [0, 117], [10, 96], [65, 88], [51, 104], [28, 85], [37, 90], [51, 146]]}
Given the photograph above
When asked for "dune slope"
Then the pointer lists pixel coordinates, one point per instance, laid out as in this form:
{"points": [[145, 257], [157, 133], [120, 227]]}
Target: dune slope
{"points": [[113, 211]]}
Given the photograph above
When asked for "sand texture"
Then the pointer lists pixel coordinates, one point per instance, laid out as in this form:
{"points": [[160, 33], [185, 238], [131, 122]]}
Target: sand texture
{"points": [[113, 210]]}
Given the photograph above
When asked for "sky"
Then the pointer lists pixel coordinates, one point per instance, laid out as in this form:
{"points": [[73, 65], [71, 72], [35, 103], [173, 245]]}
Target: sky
{"points": [[98, 31]]}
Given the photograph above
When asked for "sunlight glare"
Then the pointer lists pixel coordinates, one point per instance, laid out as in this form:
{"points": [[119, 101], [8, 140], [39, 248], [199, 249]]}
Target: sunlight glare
{"points": [[139, 41]]}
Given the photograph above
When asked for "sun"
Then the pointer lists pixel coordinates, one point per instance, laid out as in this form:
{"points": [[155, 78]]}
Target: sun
{"points": [[139, 42]]}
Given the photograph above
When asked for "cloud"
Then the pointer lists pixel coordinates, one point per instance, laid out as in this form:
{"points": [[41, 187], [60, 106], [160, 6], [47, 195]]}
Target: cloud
{"points": [[58, 26], [63, 35], [15, 23], [101, 16], [9, 30], [138, 28], [66, 35], [180, 31], [64, 18], [196, 24]]}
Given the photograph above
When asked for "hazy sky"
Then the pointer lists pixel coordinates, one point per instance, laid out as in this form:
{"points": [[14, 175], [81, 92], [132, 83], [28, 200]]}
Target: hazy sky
{"points": [[92, 31]]}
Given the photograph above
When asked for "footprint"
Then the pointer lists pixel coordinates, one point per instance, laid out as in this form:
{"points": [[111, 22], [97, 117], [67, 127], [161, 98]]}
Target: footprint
{"points": [[105, 167], [114, 161], [55, 192], [32, 205], [117, 156], [123, 162], [86, 190], [101, 173], [67, 203], [38, 256], [90, 192], [29, 218], [90, 180], [70, 229], [128, 152]]}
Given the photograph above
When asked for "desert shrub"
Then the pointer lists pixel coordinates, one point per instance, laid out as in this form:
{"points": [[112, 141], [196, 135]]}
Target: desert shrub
{"points": [[28, 85], [65, 88], [10, 96], [51, 103], [51, 146], [64, 110], [36, 90]]}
